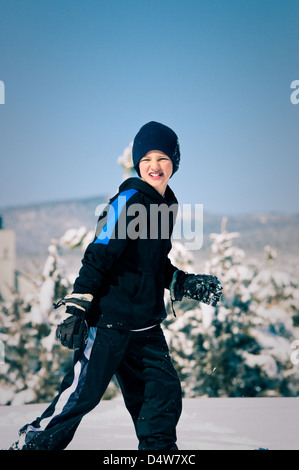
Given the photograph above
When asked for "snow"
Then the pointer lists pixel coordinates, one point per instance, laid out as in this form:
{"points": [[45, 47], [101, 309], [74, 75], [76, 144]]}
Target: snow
{"points": [[205, 424]]}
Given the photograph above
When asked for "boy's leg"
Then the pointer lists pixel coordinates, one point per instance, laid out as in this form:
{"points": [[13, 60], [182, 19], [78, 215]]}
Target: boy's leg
{"points": [[151, 390], [81, 390]]}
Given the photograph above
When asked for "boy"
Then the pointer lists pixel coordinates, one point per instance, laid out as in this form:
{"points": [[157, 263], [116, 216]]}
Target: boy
{"points": [[117, 306]]}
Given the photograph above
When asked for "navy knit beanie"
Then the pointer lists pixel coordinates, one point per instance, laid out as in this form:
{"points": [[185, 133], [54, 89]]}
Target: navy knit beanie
{"points": [[156, 136]]}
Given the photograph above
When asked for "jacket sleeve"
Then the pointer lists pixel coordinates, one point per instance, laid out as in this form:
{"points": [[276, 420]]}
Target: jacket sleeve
{"points": [[169, 270], [109, 242]]}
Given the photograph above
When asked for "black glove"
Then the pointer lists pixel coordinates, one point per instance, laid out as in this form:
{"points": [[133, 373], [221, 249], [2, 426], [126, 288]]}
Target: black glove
{"points": [[73, 331], [202, 287]]}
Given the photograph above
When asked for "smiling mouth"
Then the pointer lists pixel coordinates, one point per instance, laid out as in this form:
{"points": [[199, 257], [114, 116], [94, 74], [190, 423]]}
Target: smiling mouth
{"points": [[157, 174]]}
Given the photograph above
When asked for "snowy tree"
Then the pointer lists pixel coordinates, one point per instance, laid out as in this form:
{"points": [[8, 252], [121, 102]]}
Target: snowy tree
{"points": [[34, 360], [126, 162], [243, 346]]}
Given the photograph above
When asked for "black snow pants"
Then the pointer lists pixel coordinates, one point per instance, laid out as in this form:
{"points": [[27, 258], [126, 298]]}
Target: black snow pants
{"points": [[147, 378]]}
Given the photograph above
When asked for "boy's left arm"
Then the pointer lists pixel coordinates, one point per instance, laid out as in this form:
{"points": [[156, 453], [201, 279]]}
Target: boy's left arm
{"points": [[169, 272]]}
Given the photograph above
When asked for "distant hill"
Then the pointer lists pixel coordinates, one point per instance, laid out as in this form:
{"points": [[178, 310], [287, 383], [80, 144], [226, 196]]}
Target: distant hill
{"points": [[35, 226]]}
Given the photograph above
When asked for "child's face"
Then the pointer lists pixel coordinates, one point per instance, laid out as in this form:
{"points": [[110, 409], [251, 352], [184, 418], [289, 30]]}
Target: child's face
{"points": [[156, 169]]}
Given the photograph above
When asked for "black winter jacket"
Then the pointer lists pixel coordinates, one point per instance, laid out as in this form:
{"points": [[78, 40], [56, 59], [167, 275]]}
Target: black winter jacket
{"points": [[126, 268]]}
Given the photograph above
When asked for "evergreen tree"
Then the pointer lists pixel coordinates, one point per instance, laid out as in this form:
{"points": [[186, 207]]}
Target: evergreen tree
{"points": [[34, 360], [242, 347]]}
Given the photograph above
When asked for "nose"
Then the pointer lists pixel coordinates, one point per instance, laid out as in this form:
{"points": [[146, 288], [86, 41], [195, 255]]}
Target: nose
{"points": [[155, 166]]}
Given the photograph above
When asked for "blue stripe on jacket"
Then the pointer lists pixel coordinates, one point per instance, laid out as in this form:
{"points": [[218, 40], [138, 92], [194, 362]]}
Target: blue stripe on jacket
{"points": [[117, 206]]}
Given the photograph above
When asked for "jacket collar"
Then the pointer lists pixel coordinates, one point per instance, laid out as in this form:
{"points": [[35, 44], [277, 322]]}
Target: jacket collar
{"points": [[148, 190]]}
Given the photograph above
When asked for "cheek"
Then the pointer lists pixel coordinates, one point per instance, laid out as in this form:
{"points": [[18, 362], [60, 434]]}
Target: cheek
{"points": [[142, 170], [169, 169]]}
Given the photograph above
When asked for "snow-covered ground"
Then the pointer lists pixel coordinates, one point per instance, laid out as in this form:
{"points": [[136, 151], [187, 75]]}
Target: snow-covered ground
{"points": [[205, 424]]}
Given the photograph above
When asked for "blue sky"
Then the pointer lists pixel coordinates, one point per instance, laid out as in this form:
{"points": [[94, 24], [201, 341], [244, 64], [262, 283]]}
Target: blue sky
{"points": [[82, 76]]}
